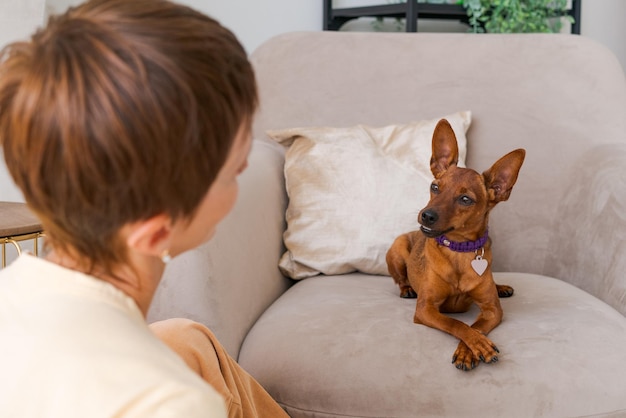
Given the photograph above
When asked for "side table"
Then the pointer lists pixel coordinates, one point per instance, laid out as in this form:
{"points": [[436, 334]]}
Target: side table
{"points": [[18, 223]]}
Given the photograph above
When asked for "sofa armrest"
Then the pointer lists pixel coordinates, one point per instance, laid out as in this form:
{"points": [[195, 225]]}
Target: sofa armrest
{"points": [[589, 235], [227, 283]]}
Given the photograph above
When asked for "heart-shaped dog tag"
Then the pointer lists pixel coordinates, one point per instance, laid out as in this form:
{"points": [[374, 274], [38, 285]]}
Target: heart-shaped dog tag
{"points": [[479, 265]]}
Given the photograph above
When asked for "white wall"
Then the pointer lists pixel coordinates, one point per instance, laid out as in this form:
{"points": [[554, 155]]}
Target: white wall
{"points": [[605, 22], [252, 21], [18, 19], [255, 21]]}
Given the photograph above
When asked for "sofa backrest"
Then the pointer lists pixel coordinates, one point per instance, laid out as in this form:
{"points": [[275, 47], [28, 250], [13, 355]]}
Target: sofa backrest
{"points": [[561, 97], [557, 96]]}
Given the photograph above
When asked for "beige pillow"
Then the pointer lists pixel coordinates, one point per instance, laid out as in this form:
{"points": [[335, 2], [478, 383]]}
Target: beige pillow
{"points": [[353, 190]]}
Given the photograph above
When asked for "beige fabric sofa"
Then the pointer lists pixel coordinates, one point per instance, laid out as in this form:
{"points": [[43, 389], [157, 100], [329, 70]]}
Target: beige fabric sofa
{"points": [[345, 345]]}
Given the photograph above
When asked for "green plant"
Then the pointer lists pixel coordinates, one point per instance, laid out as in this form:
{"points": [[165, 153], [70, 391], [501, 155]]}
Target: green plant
{"points": [[378, 23], [508, 16]]}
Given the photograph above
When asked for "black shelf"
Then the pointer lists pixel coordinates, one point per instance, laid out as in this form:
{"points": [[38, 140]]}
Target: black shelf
{"points": [[335, 18]]}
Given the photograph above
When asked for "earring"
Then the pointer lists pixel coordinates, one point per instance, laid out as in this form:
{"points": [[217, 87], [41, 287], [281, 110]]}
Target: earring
{"points": [[166, 257]]}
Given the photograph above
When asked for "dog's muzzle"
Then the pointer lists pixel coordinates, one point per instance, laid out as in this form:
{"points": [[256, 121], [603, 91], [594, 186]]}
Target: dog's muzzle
{"points": [[427, 218], [430, 233]]}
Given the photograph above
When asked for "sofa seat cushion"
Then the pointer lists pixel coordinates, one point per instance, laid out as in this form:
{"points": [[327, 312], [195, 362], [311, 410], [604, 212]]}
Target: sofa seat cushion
{"points": [[347, 346]]}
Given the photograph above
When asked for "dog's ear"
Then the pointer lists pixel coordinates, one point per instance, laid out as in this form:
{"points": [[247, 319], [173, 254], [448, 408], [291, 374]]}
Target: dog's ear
{"points": [[501, 177], [445, 150]]}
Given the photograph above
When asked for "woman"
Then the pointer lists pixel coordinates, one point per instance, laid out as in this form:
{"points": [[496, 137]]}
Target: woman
{"points": [[125, 124]]}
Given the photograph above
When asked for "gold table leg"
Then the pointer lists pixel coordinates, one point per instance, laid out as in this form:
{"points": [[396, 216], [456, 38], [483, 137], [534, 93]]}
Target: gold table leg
{"points": [[15, 242]]}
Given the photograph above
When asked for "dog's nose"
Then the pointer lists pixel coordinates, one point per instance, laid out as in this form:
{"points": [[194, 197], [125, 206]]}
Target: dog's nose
{"points": [[429, 217]]}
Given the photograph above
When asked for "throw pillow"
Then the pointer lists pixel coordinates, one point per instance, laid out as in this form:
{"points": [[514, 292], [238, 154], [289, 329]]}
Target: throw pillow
{"points": [[353, 190]]}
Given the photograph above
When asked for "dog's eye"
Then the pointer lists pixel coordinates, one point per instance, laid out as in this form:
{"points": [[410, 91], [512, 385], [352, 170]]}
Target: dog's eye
{"points": [[434, 188], [466, 200]]}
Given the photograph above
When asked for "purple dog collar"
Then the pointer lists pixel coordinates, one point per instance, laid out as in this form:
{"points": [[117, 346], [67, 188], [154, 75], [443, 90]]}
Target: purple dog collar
{"points": [[463, 247]]}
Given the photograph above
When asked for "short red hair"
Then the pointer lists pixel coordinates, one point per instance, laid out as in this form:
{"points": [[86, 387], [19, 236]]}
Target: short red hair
{"points": [[117, 111]]}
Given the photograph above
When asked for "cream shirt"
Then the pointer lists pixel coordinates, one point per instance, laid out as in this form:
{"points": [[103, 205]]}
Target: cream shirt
{"points": [[75, 346]]}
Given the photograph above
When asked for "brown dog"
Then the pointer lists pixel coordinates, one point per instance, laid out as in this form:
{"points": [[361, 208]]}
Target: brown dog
{"points": [[447, 264]]}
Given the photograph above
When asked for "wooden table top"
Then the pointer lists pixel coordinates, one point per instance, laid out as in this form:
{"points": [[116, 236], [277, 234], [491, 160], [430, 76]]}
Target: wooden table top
{"points": [[17, 219]]}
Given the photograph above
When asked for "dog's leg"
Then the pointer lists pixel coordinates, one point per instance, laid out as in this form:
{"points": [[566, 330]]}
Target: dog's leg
{"points": [[474, 346], [397, 255], [490, 316], [466, 358]]}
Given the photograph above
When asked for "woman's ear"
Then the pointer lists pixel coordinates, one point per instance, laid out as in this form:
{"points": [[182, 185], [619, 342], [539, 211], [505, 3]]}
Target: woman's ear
{"points": [[150, 237]]}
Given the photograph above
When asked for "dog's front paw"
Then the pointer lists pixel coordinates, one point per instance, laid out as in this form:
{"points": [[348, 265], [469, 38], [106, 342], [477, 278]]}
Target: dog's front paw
{"points": [[467, 359], [463, 358]]}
